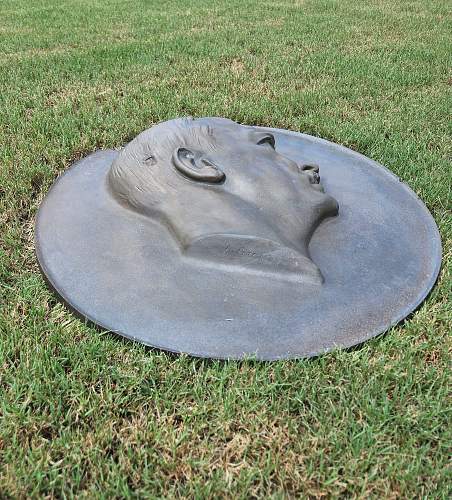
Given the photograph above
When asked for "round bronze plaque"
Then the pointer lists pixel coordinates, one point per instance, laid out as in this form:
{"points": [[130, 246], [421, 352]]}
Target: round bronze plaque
{"points": [[282, 246]]}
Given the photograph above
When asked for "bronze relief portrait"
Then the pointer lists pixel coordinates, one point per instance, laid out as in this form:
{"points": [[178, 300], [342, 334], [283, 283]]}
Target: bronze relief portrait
{"points": [[226, 194], [221, 240]]}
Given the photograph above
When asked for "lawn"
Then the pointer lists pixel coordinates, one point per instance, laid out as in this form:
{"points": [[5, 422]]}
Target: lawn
{"points": [[85, 414]]}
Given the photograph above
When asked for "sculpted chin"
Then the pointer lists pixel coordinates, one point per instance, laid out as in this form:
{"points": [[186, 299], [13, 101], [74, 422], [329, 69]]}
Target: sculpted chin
{"points": [[226, 195]]}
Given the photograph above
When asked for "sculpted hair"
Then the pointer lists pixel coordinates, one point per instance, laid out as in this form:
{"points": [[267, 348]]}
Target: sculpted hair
{"points": [[142, 175]]}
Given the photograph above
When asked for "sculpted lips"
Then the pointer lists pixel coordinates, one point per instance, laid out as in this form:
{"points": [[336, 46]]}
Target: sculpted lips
{"points": [[317, 186], [314, 178]]}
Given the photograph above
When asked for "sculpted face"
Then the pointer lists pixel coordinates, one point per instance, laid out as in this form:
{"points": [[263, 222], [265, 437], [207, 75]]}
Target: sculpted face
{"points": [[226, 195]]}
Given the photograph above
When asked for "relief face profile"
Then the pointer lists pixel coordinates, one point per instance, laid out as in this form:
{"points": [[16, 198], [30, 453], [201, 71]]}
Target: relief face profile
{"points": [[223, 240], [226, 195]]}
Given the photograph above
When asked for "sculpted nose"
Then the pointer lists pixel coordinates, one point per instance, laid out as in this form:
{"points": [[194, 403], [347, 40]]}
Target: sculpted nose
{"points": [[309, 168], [312, 170]]}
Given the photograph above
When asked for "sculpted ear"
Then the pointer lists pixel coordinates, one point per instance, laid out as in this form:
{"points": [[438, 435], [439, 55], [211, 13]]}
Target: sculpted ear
{"points": [[196, 166]]}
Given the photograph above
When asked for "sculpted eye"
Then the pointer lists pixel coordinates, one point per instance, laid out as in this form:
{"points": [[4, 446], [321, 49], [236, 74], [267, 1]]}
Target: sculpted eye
{"points": [[267, 140]]}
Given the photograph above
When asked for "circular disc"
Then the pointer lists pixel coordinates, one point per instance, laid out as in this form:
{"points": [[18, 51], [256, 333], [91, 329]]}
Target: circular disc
{"points": [[379, 257]]}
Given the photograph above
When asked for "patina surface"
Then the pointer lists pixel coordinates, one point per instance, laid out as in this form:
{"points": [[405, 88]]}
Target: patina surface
{"points": [[226, 195], [216, 239]]}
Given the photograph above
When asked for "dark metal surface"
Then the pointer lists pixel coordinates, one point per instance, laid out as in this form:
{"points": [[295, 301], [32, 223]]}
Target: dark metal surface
{"points": [[379, 258], [226, 195]]}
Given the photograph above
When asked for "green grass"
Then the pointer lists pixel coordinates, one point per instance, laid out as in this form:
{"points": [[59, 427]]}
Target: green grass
{"points": [[85, 414]]}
